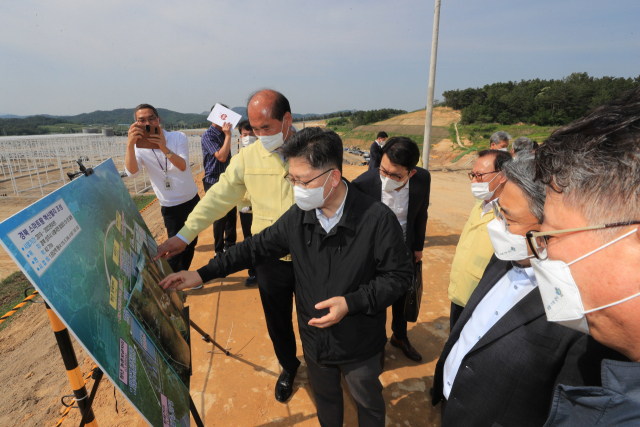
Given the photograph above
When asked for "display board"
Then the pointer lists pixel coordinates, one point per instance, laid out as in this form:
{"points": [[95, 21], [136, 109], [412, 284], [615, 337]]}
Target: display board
{"points": [[87, 250]]}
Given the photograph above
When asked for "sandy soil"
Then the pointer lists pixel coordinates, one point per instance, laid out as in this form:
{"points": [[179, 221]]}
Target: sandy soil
{"points": [[238, 390], [442, 116]]}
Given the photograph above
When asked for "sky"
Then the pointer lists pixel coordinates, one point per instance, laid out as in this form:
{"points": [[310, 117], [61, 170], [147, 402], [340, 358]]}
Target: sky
{"points": [[69, 57]]}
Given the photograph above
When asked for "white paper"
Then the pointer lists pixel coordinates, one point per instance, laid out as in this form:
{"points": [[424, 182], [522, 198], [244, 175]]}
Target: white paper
{"points": [[219, 115]]}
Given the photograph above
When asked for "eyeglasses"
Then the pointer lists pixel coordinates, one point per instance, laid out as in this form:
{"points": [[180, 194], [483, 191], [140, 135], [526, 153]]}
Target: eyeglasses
{"points": [[539, 241], [478, 176], [303, 184], [392, 175], [503, 221], [149, 119]]}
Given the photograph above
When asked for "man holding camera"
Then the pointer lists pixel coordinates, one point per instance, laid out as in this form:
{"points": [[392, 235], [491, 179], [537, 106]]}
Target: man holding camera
{"points": [[167, 165]]}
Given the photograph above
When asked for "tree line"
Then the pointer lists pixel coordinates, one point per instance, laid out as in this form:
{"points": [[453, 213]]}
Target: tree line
{"points": [[540, 102], [361, 118], [28, 126]]}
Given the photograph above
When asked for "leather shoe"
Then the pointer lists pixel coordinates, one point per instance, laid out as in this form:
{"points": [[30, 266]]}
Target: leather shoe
{"points": [[406, 348], [251, 280], [284, 386]]}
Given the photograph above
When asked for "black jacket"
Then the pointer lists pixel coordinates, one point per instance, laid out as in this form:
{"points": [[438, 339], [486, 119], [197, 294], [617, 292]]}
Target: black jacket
{"points": [[363, 258], [375, 155], [419, 188], [508, 377]]}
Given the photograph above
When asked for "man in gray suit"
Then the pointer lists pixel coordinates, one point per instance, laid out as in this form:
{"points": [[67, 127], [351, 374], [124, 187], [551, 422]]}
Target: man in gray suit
{"points": [[503, 359]]}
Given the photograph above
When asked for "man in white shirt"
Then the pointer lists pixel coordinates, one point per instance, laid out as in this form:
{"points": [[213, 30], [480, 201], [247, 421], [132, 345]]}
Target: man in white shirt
{"points": [[502, 359], [168, 169], [404, 188]]}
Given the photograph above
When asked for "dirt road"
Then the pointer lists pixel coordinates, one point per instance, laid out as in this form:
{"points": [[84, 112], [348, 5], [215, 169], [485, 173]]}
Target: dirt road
{"points": [[238, 389]]}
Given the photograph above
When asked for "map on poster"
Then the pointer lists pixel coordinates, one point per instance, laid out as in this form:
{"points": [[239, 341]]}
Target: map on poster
{"points": [[87, 250]]}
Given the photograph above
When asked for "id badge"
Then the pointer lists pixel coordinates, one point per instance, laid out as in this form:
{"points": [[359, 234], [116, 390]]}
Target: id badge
{"points": [[167, 184]]}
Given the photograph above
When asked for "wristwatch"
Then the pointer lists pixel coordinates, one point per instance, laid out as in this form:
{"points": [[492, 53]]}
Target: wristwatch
{"points": [[169, 154]]}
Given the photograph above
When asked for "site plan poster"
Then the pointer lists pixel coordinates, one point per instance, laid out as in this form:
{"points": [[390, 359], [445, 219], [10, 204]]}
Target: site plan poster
{"points": [[81, 247]]}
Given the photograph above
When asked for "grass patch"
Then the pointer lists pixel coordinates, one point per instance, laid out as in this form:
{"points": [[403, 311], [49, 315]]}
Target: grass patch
{"points": [[143, 200], [479, 134], [11, 293]]}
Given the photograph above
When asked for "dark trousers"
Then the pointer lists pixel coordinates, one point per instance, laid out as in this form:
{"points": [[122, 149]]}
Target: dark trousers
{"points": [[224, 229], [364, 385], [276, 283], [246, 219], [456, 311], [174, 219], [398, 324]]}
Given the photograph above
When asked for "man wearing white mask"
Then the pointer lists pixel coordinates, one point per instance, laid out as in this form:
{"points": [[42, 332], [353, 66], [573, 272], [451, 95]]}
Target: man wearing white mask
{"points": [[404, 188], [587, 254], [503, 359], [258, 169], [499, 141], [474, 248], [350, 263]]}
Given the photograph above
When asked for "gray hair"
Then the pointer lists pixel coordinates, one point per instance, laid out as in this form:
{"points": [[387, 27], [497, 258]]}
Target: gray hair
{"points": [[521, 172], [499, 136], [594, 162], [523, 143]]}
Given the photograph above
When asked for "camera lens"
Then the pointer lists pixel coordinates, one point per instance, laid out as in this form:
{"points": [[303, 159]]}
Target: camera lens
{"points": [[148, 128]]}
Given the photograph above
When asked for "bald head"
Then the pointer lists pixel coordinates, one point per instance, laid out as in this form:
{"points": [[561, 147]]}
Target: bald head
{"points": [[269, 102], [269, 113]]}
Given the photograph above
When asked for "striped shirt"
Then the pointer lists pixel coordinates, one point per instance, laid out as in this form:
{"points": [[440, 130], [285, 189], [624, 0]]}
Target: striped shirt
{"points": [[212, 141]]}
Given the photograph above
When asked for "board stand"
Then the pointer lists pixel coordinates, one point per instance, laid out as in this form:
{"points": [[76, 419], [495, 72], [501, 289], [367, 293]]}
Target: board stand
{"points": [[207, 338]]}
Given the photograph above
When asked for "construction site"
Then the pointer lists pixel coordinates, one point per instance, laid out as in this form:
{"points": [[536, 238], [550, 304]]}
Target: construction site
{"points": [[235, 389]]}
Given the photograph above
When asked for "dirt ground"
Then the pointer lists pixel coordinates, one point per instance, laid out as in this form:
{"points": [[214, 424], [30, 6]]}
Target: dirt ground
{"points": [[238, 389], [442, 116]]}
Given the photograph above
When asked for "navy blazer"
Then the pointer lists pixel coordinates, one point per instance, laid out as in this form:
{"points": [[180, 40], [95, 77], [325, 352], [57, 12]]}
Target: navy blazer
{"points": [[508, 377], [419, 189]]}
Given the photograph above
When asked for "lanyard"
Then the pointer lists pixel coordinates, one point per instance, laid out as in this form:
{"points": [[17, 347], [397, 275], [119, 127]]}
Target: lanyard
{"points": [[160, 164]]}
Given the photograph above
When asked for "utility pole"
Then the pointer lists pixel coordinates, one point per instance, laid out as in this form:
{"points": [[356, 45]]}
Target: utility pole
{"points": [[426, 146]]}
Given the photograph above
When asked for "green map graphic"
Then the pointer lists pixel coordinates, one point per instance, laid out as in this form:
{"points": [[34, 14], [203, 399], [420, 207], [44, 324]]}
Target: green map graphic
{"points": [[79, 246]]}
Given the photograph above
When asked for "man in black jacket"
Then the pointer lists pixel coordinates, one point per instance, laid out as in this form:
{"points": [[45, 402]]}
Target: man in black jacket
{"points": [[375, 152], [350, 264], [404, 188], [503, 359]]}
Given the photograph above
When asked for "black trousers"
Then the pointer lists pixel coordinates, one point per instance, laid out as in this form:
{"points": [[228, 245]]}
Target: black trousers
{"points": [[364, 385], [456, 311], [398, 324], [224, 229], [276, 283], [246, 219], [174, 218]]}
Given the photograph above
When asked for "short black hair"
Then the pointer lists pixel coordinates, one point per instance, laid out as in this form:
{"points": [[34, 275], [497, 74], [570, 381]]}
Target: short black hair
{"points": [[382, 134], [501, 157], [280, 105], [318, 147], [402, 151], [144, 107], [244, 125], [215, 107]]}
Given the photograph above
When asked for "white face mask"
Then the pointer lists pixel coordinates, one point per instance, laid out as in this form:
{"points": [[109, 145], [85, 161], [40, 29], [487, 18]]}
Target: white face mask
{"points": [[480, 190], [502, 149], [311, 198], [560, 294], [508, 246], [248, 140], [272, 142], [389, 184]]}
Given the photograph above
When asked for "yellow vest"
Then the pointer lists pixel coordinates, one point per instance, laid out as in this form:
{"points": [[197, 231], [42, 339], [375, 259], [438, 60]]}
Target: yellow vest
{"points": [[473, 253], [253, 170]]}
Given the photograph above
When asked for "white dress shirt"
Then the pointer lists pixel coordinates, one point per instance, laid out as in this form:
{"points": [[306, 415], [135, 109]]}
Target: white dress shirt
{"points": [[329, 223], [487, 207], [183, 187], [398, 202], [506, 293]]}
